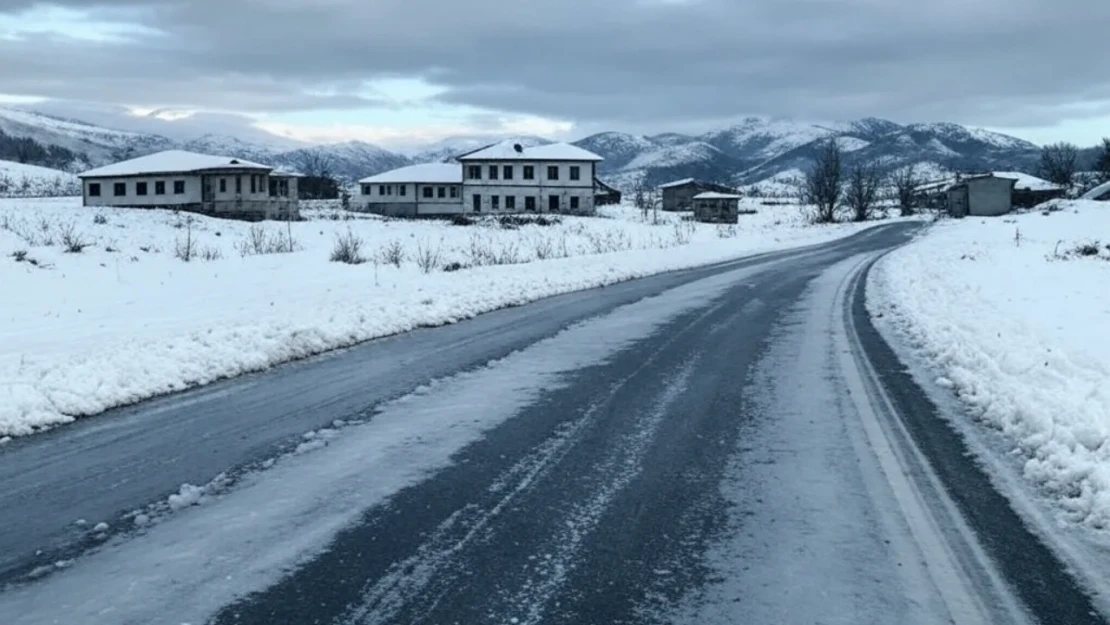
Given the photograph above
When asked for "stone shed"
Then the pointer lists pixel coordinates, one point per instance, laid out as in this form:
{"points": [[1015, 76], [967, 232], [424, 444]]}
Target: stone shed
{"points": [[981, 196], [715, 207]]}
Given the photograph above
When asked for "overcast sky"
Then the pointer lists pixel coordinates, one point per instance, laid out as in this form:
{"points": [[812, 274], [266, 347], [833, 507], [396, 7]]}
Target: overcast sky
{"points": [[397, 71]]}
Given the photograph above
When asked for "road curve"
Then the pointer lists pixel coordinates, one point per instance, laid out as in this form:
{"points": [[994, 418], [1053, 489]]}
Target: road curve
{"points": [[731, 444]]}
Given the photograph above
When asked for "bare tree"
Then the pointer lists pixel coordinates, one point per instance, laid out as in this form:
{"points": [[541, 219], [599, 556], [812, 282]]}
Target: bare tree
{"points": [[1059, 163], [823, 184], [905, 182], [318, 183], [861, 194], [1102, 161]]}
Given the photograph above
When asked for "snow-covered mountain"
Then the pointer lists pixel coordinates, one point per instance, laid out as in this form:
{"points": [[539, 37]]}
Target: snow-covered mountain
{"points": [[447, 149], [754, 150]]}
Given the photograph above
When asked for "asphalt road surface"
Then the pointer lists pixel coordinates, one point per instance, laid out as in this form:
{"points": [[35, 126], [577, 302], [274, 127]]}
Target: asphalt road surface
{"points": [[732, 444]]}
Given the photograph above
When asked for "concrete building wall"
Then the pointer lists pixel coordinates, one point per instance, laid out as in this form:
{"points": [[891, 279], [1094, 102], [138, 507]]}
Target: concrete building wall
{"points": [[989, 197], [680, 198], [108, 197], [567, 199], [409, 199], [718, 211]]}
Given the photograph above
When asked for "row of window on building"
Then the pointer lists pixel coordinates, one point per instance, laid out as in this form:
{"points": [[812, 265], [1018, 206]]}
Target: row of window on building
{"points": [[553, 203], [119, 189], [505, 172], [427, 191], [258, 182]]}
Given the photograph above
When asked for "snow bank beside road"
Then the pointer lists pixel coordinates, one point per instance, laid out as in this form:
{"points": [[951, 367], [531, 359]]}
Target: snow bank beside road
{"points": [[1014, 314], [125, 320]]}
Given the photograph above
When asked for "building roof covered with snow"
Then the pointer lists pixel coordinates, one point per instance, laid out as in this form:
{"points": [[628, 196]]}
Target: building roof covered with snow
{"points": [[173, 162], [1101, 192], [714, 195], [676, 183], [549, 152], [1025, 182], [439, 173]]}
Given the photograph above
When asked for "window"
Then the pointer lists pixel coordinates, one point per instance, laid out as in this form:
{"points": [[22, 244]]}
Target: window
{"points": [[553, 203], [119, 189], [477, 202], [179, 187], [441, 192], [474, 172], [575, 172], [507, 172], [402, 189], [366, 189], [529, 172], [574, 202], [552, 172], [454, 192], [94, 189], [140, 188], [510, 202], [494, 202], [381, 189], [530, 203], [254, 184], [223, 185], [389, 189], [238, 184], [160, 187], [428, 192], [493, 172]]}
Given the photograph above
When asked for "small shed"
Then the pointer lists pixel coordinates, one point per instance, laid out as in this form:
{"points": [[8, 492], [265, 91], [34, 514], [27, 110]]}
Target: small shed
{"points": [[981, 196], [679, 195], [605, 194], [715, 207], [1031, 190]]}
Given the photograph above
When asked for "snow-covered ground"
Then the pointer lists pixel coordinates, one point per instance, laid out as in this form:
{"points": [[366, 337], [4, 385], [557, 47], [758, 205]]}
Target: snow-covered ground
{"points": [[21, 180], [1013, 315], [126, 319]]}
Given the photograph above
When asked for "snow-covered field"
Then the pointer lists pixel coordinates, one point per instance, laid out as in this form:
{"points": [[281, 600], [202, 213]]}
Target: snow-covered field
{"points": [[1013, 315], [20, 180], [126, 319]]}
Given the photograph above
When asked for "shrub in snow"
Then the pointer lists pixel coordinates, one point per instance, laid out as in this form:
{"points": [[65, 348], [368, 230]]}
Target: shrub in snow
{"points": [[453, 266], [209, 252], [19, 255], [392, 254], [72, 241], [260, 241], [542, 247], [462, 220], [348, 249], [727, 231], [427, 257], [100, 220]]}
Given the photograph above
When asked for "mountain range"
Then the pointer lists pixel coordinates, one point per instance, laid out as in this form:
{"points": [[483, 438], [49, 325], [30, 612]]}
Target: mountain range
{"points": [[757, 150]]}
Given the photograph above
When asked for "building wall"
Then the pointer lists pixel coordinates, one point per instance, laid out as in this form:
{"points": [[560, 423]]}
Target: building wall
{"points": [[231, 192], [989, 197], [541, 187], [720, 211], [107, 196], [413, 202]]}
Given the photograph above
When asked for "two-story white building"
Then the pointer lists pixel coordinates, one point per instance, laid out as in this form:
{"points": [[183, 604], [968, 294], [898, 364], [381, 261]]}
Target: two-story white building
{"points": [[414, 191], [220, 186], [554, 178]]}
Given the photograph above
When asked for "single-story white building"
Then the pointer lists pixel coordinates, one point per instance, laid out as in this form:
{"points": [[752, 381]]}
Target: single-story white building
{"points": [[220, 186], [417, 190]]}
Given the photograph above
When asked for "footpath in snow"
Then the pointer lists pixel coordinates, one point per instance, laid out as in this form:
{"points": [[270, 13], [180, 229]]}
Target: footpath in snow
{"points": [[99, 309], [1013, 315]]}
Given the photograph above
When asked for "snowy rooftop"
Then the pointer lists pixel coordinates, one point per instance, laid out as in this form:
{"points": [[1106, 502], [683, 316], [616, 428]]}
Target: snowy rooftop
{"points": [[549, 152], [1097, 192], [713, 195], [1027, 182], [172, 161], [676, 183], [446, 173]]}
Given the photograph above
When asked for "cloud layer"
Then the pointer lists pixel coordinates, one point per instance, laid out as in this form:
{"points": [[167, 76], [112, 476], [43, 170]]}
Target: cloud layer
{"points": [[618, 62]]}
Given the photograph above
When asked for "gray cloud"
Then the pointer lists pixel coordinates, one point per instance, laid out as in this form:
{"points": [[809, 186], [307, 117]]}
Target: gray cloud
{"points": [[625, 63]]}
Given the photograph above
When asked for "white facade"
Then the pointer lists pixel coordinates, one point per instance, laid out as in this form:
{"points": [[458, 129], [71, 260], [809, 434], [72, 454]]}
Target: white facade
{"points": [[500, 179], [516, 186], [214, 185]]}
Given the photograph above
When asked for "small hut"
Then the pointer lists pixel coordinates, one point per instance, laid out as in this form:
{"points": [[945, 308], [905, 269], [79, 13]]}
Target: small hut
{"points": [[715, 207], [605, 194]]}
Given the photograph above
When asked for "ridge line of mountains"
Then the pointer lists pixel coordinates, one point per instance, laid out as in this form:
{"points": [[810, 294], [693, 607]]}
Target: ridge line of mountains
{"points": [[757, 151]]}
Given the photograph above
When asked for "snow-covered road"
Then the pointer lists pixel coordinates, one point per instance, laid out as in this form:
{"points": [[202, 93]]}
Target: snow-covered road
{"points": [[716, 446]]}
